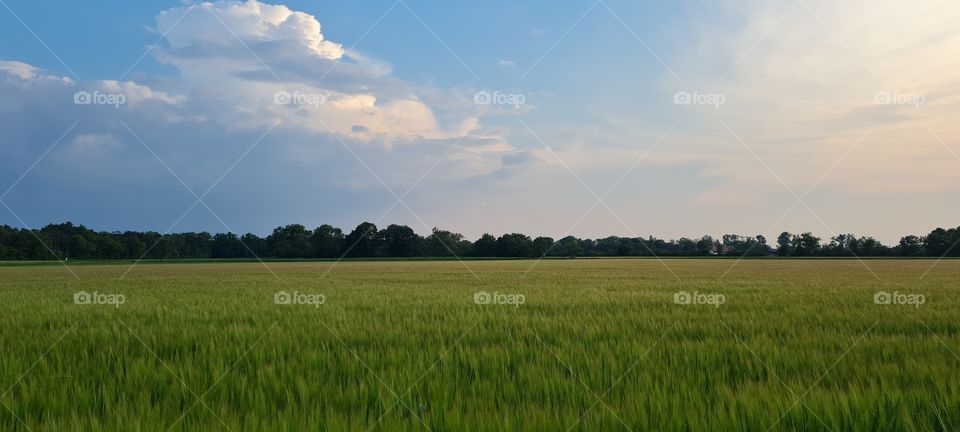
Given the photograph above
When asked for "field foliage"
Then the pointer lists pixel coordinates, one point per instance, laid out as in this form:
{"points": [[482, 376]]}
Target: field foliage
{"points": [[572, 345]]}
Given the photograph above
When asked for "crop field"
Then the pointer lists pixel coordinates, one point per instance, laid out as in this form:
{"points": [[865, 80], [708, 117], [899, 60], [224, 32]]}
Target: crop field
{"points": [[571, 345]]}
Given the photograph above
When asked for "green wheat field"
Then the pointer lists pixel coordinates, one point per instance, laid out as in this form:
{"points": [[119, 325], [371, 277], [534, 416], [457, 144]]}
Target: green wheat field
{"points": [[571, 345]]}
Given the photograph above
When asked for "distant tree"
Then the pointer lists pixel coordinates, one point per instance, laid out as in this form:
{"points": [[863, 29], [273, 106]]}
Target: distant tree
{"points": [[108, 247], [868, 246], [784, 246], [568, 246], [363, 241], [541, 245], [255, 246], [443, 243], [688, 247], [8, 253], [291, 241], [485, 246], [746, 246], [637, 246], [805, 244], [227, 246], [134, 246], [758, 246], [942, 242], [608, 246], [150, 240], [7, 249], [589, 247], [195, 245], [704, 245], [167, 247], [327, 242], [652, 245], [66, 240], [839, 245], [78, 247], [910, 245], [514, 245], [400, 241], [937, 242]]}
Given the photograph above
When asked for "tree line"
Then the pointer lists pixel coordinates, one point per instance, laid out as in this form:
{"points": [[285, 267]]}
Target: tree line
{"points": [[69, 241]]}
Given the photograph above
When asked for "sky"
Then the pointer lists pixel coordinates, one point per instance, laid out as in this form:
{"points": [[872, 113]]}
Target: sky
{"points": [[591, 118]]}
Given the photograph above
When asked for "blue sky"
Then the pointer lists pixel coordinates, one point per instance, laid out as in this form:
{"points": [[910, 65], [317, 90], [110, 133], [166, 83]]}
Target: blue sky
{"points": [[102, 40], [852, 103]]}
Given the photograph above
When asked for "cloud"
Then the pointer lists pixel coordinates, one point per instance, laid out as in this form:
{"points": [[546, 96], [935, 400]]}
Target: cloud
{"points": [[18, 72], [94, 143], [243, 55], [251, 22], [804, 82], [136, 94], [243, 68]]}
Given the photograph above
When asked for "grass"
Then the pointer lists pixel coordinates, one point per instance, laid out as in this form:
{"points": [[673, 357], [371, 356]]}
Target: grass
{"points": [[597, 345]]}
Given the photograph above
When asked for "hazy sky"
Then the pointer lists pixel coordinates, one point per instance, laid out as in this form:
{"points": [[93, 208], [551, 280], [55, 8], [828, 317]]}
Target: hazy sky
{"points": [[594, 118]]}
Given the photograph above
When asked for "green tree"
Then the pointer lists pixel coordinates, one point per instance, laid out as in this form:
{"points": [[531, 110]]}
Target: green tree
{"points": [[784, 244], [568, 246], [688, 246], [805, 244], [514, 245], [443, 243], [363, 241], [109, 247], [541, 245], [910, 245], [400, 241], [227, 246], [255, 246], [942, 242], [134, 246], [327, 241], [291, 241], [485, 246]]}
